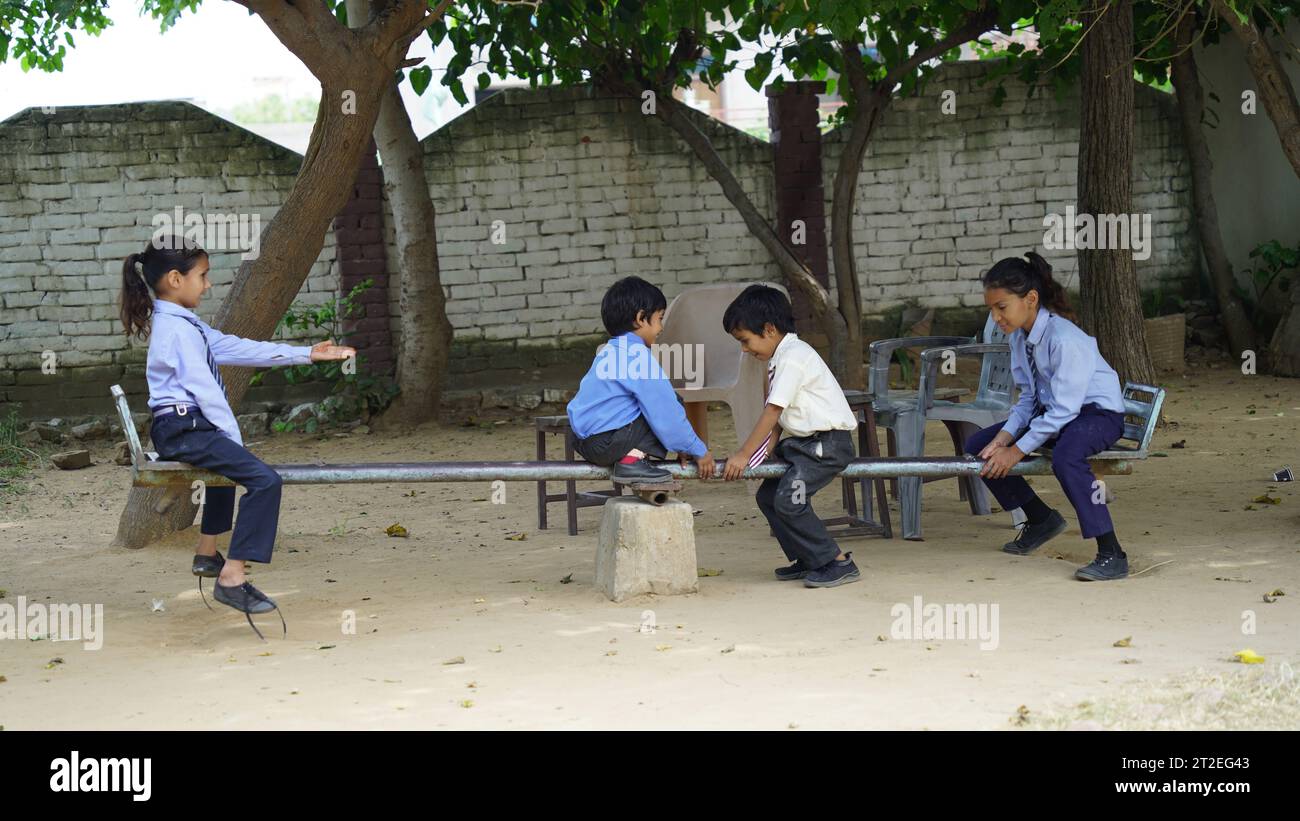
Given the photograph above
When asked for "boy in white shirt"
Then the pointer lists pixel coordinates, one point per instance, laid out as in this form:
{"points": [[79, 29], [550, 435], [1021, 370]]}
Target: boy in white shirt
{"points": [[805, 401]]}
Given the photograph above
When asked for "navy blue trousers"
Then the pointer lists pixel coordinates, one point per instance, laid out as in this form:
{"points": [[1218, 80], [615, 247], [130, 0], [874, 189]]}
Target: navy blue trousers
{"points": [[191, 438], [1095, 429]]}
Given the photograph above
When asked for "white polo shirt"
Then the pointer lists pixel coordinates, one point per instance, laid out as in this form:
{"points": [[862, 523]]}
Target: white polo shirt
{"points": [[804, 386]]}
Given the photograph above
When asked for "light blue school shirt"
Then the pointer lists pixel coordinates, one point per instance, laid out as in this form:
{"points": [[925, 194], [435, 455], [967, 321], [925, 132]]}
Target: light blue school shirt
{"points": [[1071, 374], [178, 369], [626, 381]]}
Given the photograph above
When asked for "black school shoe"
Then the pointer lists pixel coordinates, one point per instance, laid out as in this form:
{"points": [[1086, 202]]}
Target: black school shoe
{"points": [[1033, 536], [639, 471], [248, 600], [1105, 568], [833, 574], [794, 572], [207, 567]]}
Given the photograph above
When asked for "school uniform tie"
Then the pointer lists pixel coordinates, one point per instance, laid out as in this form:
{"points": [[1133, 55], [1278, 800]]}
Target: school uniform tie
{"points": [[1039, 410], [761, 453], [212, 360]]}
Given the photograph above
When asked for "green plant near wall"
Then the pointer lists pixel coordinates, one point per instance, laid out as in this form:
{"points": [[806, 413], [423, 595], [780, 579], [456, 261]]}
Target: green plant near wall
{"points": [[353, 393], [1273, 274]]}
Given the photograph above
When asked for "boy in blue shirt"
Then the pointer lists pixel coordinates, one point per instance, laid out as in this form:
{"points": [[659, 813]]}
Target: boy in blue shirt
{"points": [[625, 408]]}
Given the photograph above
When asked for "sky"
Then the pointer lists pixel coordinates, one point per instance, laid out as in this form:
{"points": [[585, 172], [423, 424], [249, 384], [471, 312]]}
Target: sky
{"points": [[216, 57]]}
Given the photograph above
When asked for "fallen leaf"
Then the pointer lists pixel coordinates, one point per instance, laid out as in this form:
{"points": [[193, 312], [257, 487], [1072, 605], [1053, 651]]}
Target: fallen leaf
{"points": [[479, 601], [1266, 500], [1021, 717], [496, 649], [3, 679], [396, 530], [707, 571], [567, 579], [53, 662], [1181, 443], [517, 537], [467, 703], [611, 652], [1248, 656], [731, 648], [1276, 592], [456, 660], [327, 647], [1124, 642], [267, 653], [663, 647]]}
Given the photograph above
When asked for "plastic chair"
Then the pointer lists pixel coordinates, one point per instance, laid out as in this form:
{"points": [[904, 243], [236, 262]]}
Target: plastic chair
{"points": [[905, 413], [694, 318]]}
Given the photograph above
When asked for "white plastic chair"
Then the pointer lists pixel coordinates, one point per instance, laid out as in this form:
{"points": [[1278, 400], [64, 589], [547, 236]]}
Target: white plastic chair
{"points": [[694, 317]]}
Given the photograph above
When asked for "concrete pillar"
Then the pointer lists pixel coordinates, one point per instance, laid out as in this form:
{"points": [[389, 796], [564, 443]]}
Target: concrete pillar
{"points": [[645, 548]]}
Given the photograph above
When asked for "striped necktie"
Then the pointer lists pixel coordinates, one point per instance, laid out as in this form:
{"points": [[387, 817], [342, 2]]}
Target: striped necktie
{"points": [[1039, 410], [761, 453], [212, 360]]}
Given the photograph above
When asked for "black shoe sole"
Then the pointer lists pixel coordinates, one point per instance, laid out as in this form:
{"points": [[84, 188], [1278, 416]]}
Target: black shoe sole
{"points": [[1081, 576], [845, 579], [794, 578], [1014, 550]]}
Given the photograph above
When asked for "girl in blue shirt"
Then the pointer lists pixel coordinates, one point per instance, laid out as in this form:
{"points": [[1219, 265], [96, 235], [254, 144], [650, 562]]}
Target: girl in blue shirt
{"points": [[1070, 400], [193, 422]]}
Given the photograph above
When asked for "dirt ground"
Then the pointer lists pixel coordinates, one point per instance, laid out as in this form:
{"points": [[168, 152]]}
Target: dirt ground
{"points": [[460, 626]]}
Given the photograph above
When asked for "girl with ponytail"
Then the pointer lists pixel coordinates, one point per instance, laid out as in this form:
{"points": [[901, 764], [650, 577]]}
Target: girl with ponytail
{"points": [[193, 422], [1070, 400]]}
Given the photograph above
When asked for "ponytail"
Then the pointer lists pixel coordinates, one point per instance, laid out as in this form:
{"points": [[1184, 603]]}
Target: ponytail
{"points": [[140, 275], [137, 303], [1020, 276]]}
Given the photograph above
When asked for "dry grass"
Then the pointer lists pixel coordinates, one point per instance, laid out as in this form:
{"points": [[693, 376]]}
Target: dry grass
{"points": [[1247, 699]]}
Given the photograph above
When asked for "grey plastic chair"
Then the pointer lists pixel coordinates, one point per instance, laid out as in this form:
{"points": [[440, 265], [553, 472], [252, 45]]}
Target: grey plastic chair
{"points": [[905, 413]]}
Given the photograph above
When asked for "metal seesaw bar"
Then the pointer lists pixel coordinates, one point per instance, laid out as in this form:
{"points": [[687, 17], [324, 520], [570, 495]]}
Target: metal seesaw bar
{"points": [[157, 474]]}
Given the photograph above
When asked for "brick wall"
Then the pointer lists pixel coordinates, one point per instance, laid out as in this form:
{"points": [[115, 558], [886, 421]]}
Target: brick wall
{"points": [[942, 197], [584, 189], [79, 189]]}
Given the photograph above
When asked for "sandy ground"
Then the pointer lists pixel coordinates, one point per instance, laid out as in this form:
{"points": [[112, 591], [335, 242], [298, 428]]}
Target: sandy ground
{"points": [[746, 651]]}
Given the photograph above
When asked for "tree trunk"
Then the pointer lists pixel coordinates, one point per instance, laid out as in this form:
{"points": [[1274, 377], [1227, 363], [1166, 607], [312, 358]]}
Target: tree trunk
{"points": [[354, 68], [832, 323], [426, 332], [1275, 89], [870, 102], [1111, 302], [1191, 109], [844, 191]]}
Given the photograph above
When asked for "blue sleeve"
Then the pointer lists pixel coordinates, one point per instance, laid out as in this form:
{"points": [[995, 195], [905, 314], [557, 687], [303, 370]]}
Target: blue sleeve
{"points": [[235, 350], [194, 374], [1071, 368], [660, 406], [1024, 407]]}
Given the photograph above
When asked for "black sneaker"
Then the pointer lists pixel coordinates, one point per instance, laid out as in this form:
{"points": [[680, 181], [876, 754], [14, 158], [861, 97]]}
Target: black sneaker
{"points": [[248, 600], [207, 567], [639, 471], [792, 573], [1106, 567], [833, 574], [1033, 536]]}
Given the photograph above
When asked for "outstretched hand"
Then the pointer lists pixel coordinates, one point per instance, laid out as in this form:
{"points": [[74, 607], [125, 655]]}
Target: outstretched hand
{"points": [[327, 351]]}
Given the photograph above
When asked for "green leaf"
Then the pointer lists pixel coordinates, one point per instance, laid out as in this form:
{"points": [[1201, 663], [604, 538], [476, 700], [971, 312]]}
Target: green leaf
{"points": [[484, 80], [420, 78]]}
